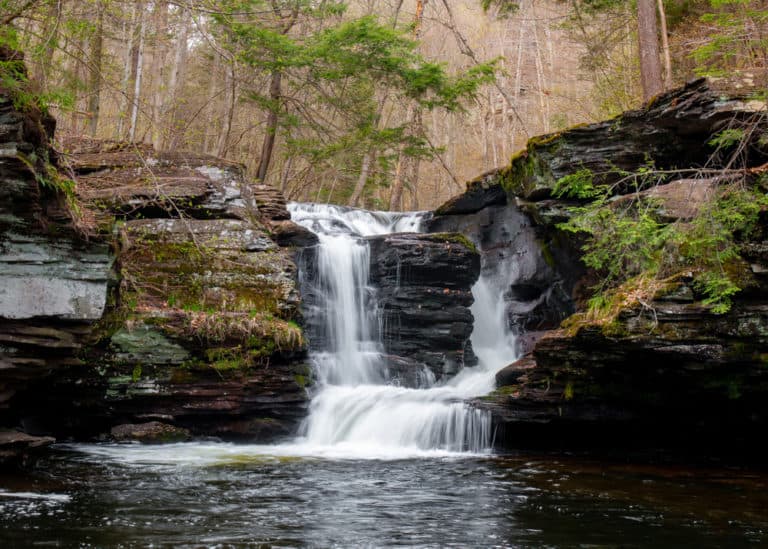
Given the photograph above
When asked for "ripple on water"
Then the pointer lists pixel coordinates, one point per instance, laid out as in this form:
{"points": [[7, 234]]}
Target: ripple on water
{"points": [[224, 494]]}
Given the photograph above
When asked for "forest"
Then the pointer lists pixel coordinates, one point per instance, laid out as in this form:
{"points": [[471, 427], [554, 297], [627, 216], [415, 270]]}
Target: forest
{"points": [[385, 104]]}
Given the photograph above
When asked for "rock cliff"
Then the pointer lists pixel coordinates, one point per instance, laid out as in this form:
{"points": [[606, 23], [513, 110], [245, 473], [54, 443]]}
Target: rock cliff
{"points": [[662, 370], [202, 328], [162, 287]]}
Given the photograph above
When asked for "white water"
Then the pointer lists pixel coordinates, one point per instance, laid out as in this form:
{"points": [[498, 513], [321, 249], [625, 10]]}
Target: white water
{"points": [[354, 412]]}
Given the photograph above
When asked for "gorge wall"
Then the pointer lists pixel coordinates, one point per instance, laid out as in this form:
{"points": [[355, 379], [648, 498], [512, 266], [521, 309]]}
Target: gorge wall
{"points": [[159, 298], [666, 370]]}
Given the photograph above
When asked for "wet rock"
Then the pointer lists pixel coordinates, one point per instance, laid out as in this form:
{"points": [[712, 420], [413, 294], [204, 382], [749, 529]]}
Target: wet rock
{"points": [[17, 448], [150, 432], [482, 192], [669, 372], [288, 233], [407, 372], [536, 265], [514, 373], [423, 284]]}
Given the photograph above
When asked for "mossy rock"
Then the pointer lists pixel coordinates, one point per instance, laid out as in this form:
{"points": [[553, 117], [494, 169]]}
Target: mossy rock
{"points": [[451, 238]]}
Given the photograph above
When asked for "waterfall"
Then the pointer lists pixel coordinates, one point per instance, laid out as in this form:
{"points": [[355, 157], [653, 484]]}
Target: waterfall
{"points": [[355, 409]]}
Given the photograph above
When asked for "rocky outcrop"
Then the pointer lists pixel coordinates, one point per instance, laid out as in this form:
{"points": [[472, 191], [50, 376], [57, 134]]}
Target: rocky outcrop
{"points": [[17, 448], [660, 368], [156, 293], [669, 134], [53, 282], [669, 371], [423, 284], [202, 328]]}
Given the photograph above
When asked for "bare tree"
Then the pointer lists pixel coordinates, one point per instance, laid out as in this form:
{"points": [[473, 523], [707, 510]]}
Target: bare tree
{"points": [[94, 80], [137, 80], [648, 42]]}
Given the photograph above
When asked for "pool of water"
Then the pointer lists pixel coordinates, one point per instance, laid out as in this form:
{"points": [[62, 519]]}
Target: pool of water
{"points": [[220, 495]]}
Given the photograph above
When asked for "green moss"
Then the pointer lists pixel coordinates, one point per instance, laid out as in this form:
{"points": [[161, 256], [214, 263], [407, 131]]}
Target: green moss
{"points": [[301, 380], [615, 329], [238, 363], [515, 179], [171, 251], [454, 238], [541, 140], [136, 374], [502, 392], [546, 253], [568, 391], [259, 347]]}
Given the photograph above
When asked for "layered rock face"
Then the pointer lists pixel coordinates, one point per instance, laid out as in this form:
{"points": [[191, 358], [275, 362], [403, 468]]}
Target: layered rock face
{"points": [[668, 372], [423, 284], [158, 293], [664, 369], [53, 283], [202, 329]]}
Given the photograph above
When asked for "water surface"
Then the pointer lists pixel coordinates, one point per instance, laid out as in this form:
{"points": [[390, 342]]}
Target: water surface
{"points": [[220, 495]]}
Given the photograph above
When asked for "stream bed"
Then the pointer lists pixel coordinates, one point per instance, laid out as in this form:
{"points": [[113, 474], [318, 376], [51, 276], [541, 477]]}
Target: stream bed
{"points": [[222, 495]]}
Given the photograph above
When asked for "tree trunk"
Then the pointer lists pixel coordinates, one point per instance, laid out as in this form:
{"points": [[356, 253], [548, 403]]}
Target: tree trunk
{"points": [[94, 81], [160, 24], [131, 54], [50, 38], [175, 126], [229, 110], [212, 109], [365, 169], [648, 42], [665, 46], [268, 145], [137, 80]]}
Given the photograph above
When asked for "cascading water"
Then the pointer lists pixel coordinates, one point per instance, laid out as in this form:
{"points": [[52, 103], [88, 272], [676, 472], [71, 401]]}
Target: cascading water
{"points": [[355, 411]]}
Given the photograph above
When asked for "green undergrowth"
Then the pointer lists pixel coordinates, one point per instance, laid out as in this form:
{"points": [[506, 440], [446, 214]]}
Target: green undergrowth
{"points": [[637, 249]]}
